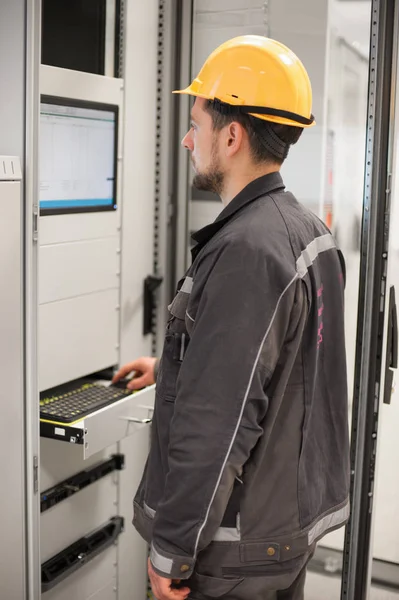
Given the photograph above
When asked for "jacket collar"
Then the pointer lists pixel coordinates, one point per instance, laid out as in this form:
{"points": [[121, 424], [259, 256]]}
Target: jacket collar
{"points": [[258, 187]]}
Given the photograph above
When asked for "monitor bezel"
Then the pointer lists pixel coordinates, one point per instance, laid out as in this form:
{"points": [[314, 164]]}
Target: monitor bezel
{"points": [[76, 102]]}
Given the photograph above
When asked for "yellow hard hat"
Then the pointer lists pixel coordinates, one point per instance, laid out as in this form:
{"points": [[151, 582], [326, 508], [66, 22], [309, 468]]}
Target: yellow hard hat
{"points": [[261, 76]]}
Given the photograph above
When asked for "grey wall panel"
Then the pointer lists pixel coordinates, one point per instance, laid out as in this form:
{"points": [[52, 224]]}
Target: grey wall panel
{"points": [[59, 460], [94, 581], [58, 229], [12, 127], [132, 550], [12, 498], [75, 339], [73, 269], [140, 77], [12, 77], [78, 515]]}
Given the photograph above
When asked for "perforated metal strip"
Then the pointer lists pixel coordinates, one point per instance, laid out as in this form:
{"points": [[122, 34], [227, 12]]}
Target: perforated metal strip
{"points": [[157, 190], [266, 21], [120, 42]]}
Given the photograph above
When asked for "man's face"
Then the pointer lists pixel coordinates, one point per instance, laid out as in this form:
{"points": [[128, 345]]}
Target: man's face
{"points": [[202, 141]]}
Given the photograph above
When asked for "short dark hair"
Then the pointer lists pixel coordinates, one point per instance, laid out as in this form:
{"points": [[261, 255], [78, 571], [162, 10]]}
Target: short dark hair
{"points": [[259, 133]]}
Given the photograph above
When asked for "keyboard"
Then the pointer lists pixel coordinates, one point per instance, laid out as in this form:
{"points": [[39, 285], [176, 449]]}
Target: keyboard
{"points": [[66, 405]]}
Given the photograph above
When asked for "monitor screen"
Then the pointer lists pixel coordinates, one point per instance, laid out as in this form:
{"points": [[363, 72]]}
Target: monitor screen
{"points": [[78, 146]]}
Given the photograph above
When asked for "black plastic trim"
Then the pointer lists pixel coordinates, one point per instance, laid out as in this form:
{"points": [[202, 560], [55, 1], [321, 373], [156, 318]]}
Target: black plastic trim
{"points": [[75, 556], [391, 361], [231, 109], [151, 284], [63, 433], [71, 486]]}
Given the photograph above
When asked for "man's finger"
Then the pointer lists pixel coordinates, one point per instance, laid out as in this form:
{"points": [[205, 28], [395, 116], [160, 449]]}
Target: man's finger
{"points": [[123, 371], [137, 383], [163, 591]]}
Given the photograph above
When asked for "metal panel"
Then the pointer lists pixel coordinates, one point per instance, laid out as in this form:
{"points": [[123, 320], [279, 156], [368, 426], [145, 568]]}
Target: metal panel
{"points": [[76, 84], [74, 269], [68, 521], [75, 340], [132, 550], [113, 423], [95, 88], [107, 593], [110, 38], [60, 461], [94, 581], [140, 26], [183, 165], [373, 273], [12, 500], [386, 512], [220, 5], [10, 168], [12, 99], [32, 31], [58, 229]]}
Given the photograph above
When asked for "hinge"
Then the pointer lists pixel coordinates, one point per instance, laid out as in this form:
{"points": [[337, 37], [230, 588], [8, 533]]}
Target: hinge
{"points": [[35, 223], [35, 474], [171, 211]]}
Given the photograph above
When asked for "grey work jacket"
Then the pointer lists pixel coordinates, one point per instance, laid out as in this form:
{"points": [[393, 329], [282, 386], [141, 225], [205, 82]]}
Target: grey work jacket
{"points": [[249, 460]]}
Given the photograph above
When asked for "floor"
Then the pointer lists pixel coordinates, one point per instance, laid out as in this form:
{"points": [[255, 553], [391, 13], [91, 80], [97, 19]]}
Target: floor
{"points": [[322, 587]]}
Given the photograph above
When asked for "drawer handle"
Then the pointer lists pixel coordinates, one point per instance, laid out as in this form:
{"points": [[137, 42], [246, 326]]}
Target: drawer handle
{"points": [[150, 408], [136, 420]]}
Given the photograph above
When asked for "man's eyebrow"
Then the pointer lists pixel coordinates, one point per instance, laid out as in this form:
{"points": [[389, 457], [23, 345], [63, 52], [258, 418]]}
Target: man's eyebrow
{"points": [[193, 120]]}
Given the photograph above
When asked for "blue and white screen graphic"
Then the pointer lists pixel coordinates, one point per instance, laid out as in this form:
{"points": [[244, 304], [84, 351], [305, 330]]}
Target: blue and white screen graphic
{"points": [[77, 157]]}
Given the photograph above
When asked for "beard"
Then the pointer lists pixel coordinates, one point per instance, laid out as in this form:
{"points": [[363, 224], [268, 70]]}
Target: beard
{"points": [[213, 179]]}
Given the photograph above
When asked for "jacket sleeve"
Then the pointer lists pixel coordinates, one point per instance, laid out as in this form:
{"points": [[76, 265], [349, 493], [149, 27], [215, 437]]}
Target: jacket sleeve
{"points": [[156, 369], [240, 325]]}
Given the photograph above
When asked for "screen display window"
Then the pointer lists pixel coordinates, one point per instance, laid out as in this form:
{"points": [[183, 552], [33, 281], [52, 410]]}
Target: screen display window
{"points": [[78, 142]]}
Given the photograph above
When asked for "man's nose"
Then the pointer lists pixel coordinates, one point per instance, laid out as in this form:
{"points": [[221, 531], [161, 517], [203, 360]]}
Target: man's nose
{"points": [[187, 141]]}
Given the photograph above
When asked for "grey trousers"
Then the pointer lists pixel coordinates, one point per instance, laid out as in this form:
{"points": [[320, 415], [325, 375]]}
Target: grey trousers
{"points": [[252, 589], [295, 592]]}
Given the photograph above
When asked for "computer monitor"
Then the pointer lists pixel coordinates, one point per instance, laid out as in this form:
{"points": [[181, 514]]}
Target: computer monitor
{"points": [[78, 156]]}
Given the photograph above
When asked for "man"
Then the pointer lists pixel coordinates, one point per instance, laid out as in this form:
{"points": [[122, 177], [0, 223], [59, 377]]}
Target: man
{"points": [[249, 465]]}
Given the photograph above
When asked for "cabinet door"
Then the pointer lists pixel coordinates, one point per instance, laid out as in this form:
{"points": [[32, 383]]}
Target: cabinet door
{"points": [[132, 550], [12, 500]]}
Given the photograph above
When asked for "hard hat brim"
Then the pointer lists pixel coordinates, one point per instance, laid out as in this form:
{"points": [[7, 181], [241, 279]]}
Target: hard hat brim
{"points": [[192, 91]]}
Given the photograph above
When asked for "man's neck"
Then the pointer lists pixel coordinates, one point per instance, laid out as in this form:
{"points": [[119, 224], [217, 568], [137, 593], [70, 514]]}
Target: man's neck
{"points": [[235, 184]]}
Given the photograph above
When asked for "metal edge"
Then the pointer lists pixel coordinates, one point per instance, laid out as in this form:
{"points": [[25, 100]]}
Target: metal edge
{"points": [[175, 194], [165, 213], [110, 28], [377, 573], [31, 170], [161, 200], [183, 184], [357, 549]]}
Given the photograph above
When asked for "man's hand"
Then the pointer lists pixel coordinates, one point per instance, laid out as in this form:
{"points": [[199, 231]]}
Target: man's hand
{"points": [[162, 587], [144, 372]]}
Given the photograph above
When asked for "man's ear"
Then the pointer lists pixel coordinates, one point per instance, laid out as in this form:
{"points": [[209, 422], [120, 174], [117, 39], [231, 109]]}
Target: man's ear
{"points": [[234, 139]]}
